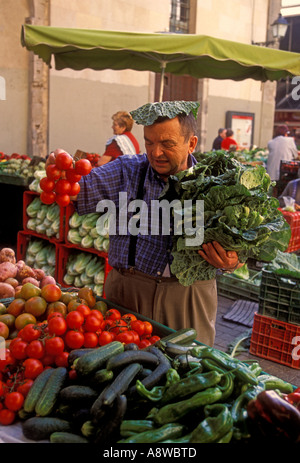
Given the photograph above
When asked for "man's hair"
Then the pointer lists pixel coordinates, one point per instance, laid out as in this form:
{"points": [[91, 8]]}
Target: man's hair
{"points": [[220, 131], [124, 119], [229, 133], [187, 123]]}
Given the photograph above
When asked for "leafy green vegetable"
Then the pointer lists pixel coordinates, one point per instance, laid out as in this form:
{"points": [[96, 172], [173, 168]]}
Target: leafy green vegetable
{"points": [[285, 264], [238, 213], [148, 113]]}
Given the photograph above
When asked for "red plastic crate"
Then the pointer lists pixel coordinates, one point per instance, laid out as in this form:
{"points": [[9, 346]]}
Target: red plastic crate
{"points": [[293, 219], [23, 239], [275, 340], [64, 252], [28, 197]]}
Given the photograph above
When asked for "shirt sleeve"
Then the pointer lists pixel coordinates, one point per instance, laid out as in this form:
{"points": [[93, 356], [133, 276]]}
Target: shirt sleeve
{"points": [[112, 150]]}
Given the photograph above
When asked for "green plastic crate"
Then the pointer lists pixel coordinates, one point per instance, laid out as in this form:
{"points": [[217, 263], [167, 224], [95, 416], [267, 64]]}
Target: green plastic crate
{"points": [[280, 297], [235, 288]]}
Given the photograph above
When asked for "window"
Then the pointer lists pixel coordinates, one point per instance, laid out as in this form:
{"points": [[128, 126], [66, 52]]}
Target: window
{"points": [[180, 16]]}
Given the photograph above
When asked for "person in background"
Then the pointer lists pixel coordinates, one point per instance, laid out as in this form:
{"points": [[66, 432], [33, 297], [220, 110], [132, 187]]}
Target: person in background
{"points": [[292, 190], [123, 141], [218, 140], [281, 148], [229, 143], [141, 279]]}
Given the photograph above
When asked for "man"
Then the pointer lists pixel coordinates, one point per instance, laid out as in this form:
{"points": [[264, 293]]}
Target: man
{"points": [[218, 140], [281, 148], [140, 279]]}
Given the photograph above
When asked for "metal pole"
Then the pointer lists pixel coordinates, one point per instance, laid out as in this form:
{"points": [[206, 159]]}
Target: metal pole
{"points": [[162, 78]]}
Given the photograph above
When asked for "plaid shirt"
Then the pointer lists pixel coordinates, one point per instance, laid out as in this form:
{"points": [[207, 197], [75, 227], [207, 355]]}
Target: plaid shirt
{"points": [[153, 251]]}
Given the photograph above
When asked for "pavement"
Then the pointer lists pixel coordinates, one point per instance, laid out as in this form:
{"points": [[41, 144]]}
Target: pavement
{"points": [[227, 331]]}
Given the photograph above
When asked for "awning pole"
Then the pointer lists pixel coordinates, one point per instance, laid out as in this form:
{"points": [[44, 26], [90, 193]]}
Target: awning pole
{"points": [[162, 79]]}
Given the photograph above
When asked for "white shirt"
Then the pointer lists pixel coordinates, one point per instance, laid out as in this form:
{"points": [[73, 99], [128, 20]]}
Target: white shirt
{"points": [[280, 149]]}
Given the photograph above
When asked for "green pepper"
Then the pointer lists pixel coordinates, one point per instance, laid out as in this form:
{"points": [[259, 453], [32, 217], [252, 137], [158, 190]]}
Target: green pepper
{"points": [[256, 368], [168, 431], [217, 423], [173, 412], [241, 370], [243, 399], [191, 384], [272, 383], [130, 427], [172, 377], [155, 394]]}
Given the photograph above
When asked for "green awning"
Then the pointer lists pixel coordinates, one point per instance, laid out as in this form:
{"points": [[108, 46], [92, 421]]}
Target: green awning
{"points": [[181, 54]]}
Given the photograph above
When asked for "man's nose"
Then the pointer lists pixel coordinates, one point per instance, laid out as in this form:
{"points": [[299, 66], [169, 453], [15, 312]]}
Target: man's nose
{"points": [[157, 151]]}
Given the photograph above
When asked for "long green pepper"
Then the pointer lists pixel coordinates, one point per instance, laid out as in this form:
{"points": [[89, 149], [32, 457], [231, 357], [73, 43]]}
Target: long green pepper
{"points": [[217, 424]]}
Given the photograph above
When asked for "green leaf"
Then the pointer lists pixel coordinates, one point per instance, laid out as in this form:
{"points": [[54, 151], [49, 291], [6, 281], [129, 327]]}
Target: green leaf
{"points": [[148, 113]]}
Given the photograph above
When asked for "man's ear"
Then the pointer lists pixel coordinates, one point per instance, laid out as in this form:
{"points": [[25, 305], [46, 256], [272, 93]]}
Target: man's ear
{"points": [[193, 143]]}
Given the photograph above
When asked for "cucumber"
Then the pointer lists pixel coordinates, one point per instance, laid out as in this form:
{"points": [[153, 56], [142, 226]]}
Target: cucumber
{"points": [[77, 393], [49, 395], [93, 361], [102, 376], [41, 427], [76, 353], [67, 438], [131, 356], [121, 383], [182, 336], [36, 390]]}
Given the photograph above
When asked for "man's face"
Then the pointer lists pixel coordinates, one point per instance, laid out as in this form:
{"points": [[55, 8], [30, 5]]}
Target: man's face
{"points": [[167, 151], [223, 133]]}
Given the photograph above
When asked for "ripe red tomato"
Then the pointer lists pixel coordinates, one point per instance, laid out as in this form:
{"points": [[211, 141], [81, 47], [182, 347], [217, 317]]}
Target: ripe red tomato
{"points": [[75, 189], [64, 160], [154, 339], [53, 172], [7, 417], [83, 167], [48, 360], [74, 339], [84, 309], [55, 345], [74, 319], [47, 185], [61, 360], [129, 317], [148, 327], [62, 186], [92, 323], [119, 326], [113, 314], [144, 343], [18, 349], [138, 326], [35, 349], [54, 314], [63, 200], [30, 332], [51, 292], [105, 338], [136, 339], [90, 339], [126, 337], [47, 198], [57, 326], [33, 368], [14, 401], [72, 176], [97, 314], [2, 388], [25, 386]]}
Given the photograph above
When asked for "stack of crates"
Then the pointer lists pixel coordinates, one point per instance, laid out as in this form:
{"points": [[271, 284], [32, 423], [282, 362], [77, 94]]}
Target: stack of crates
{"points": [[276, 327], [288, 172], [293, 219]]}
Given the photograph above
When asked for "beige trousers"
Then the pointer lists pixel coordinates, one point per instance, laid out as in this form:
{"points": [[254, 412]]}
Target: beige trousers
{"points": [[166, 301]]}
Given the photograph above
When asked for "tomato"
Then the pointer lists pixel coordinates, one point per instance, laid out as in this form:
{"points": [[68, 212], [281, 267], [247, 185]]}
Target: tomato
{"points": [[51, 293], [148, 327], [33, 368], [55, 314], [25, 386], [113, 314], [105, 338], [7, 417], [61, 360], [72, 176], [97, 314], [90, 339], [24, 319], [48, 360], [83, 167], [74, 339], [47, 185], [74, 319], [57, 306], [63, 186], [30, 332], [138, 326], [129, 317], [16, 307], [18, 349], [126, 337], [154, 339], [75, 189], [92, 323], [14, 401], [35, 349], [74, 303], [57, 325], [64, 160], [63, 200], [84, 309], [54, 345], [47, 198], [72, 374], [136, 338], [2, 388], [53, 172], [119, 326], [36, 306], [144, 343], [4, 330]]}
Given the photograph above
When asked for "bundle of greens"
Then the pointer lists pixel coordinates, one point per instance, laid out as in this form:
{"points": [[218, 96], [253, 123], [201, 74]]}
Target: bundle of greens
{"points": [[238, 213]]}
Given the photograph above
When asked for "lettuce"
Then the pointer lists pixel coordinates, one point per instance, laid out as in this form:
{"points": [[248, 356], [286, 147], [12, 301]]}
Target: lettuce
{"points": [[238, 213]]}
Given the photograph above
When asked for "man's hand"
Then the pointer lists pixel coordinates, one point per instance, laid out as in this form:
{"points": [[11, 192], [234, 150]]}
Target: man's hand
{"points": [[216, 255]]}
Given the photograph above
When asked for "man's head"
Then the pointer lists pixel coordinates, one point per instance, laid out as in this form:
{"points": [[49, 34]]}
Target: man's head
{"points": [[169, 133], [282, 130], [229, 133], [222, 133]]}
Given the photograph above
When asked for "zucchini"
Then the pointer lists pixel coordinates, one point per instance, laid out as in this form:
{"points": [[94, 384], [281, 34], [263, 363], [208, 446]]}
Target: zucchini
{"points": [[121, 383], [36, 390], [49, 395], [102, 376], [93, 361], [182, 336], [67, 438], [109, 431], [131, 356], [77, 393], [76, 353], [41, 427]]}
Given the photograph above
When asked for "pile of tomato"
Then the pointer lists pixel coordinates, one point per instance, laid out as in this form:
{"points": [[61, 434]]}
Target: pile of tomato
{"points": [[62, 178], [47, 344]]}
